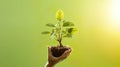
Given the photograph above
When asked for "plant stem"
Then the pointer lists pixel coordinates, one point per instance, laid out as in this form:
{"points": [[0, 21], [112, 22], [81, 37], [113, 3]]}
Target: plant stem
{"points": [[60, 34], [60, 43]]}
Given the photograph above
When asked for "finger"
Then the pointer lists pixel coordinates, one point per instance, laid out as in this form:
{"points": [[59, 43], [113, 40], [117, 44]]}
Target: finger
{"points": [[49, 51], [65, 54], [68, 52]]}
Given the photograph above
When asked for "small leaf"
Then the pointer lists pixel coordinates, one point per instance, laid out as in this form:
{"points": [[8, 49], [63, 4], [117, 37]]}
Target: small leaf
{"points": [[71, 30], [45, 32], [53, 31], [53, 35], [50, 25], [58, 30], [74, 30], [68, 35], [67, 24], [63, 32], [59, 15]]}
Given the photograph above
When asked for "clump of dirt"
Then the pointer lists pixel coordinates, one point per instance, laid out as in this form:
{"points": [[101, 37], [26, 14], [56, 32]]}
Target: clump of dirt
{"points": [[57, 51]]}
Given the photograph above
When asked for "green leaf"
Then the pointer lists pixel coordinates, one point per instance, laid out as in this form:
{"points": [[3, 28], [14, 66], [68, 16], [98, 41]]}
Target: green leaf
{"points": [[64, 32], [67, 24], [68, 35], [50, 25], [45, 32], [74, 30], [71, 30], [53, 34]]}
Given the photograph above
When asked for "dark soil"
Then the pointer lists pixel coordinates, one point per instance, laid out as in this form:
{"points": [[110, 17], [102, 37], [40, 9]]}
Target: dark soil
{"points": [[57, 51]]}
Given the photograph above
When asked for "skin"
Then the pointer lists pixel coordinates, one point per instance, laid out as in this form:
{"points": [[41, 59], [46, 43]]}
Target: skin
{"points": [[54, 60]]}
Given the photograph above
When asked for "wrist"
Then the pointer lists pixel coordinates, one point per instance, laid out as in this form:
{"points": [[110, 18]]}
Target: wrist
{"points": [[50, 65]]}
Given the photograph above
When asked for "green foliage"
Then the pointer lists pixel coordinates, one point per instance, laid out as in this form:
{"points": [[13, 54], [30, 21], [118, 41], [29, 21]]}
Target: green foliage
{"points": [[67, 24], [65, 31], [50, 25], [61, 28], [69, 32], [68, 35], [53, 34], [45, 32]]}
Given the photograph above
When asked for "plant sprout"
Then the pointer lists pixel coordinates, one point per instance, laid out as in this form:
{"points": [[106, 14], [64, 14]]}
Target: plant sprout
{"points": [[61, 29]]}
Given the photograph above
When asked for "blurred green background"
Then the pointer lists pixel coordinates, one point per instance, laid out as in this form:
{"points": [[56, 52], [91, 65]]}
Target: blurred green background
{"points": [[95, 44]]}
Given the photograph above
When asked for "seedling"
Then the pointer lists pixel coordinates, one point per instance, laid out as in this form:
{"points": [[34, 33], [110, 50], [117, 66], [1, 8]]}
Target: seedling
{"points": [[59, 31]]}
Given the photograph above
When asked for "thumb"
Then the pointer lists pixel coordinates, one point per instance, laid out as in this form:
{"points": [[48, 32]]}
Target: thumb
{"points": [[49, 51]]}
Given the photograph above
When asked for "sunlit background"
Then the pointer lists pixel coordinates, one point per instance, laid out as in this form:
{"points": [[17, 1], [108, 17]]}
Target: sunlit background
{"points": [[95, 44]]}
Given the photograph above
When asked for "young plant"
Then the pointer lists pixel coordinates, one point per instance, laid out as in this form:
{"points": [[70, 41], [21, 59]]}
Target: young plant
{"points": [[58, 31]]}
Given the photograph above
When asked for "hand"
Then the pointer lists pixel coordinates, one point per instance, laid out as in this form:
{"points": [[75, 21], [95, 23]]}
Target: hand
{"points": [[54, 60]]}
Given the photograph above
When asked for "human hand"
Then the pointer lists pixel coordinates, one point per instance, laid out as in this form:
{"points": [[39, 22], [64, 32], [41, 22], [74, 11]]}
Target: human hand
{"points": [[54, 60]]}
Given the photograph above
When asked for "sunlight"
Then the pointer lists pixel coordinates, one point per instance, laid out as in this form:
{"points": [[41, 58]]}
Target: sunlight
{"points": [[114, 16], [116, 9]]}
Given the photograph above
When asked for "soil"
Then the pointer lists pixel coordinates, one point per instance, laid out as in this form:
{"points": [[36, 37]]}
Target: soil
{"points": [[57, 51]]}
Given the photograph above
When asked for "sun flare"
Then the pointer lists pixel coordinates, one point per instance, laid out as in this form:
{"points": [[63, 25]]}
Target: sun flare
{"points": [[114, 16]]}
